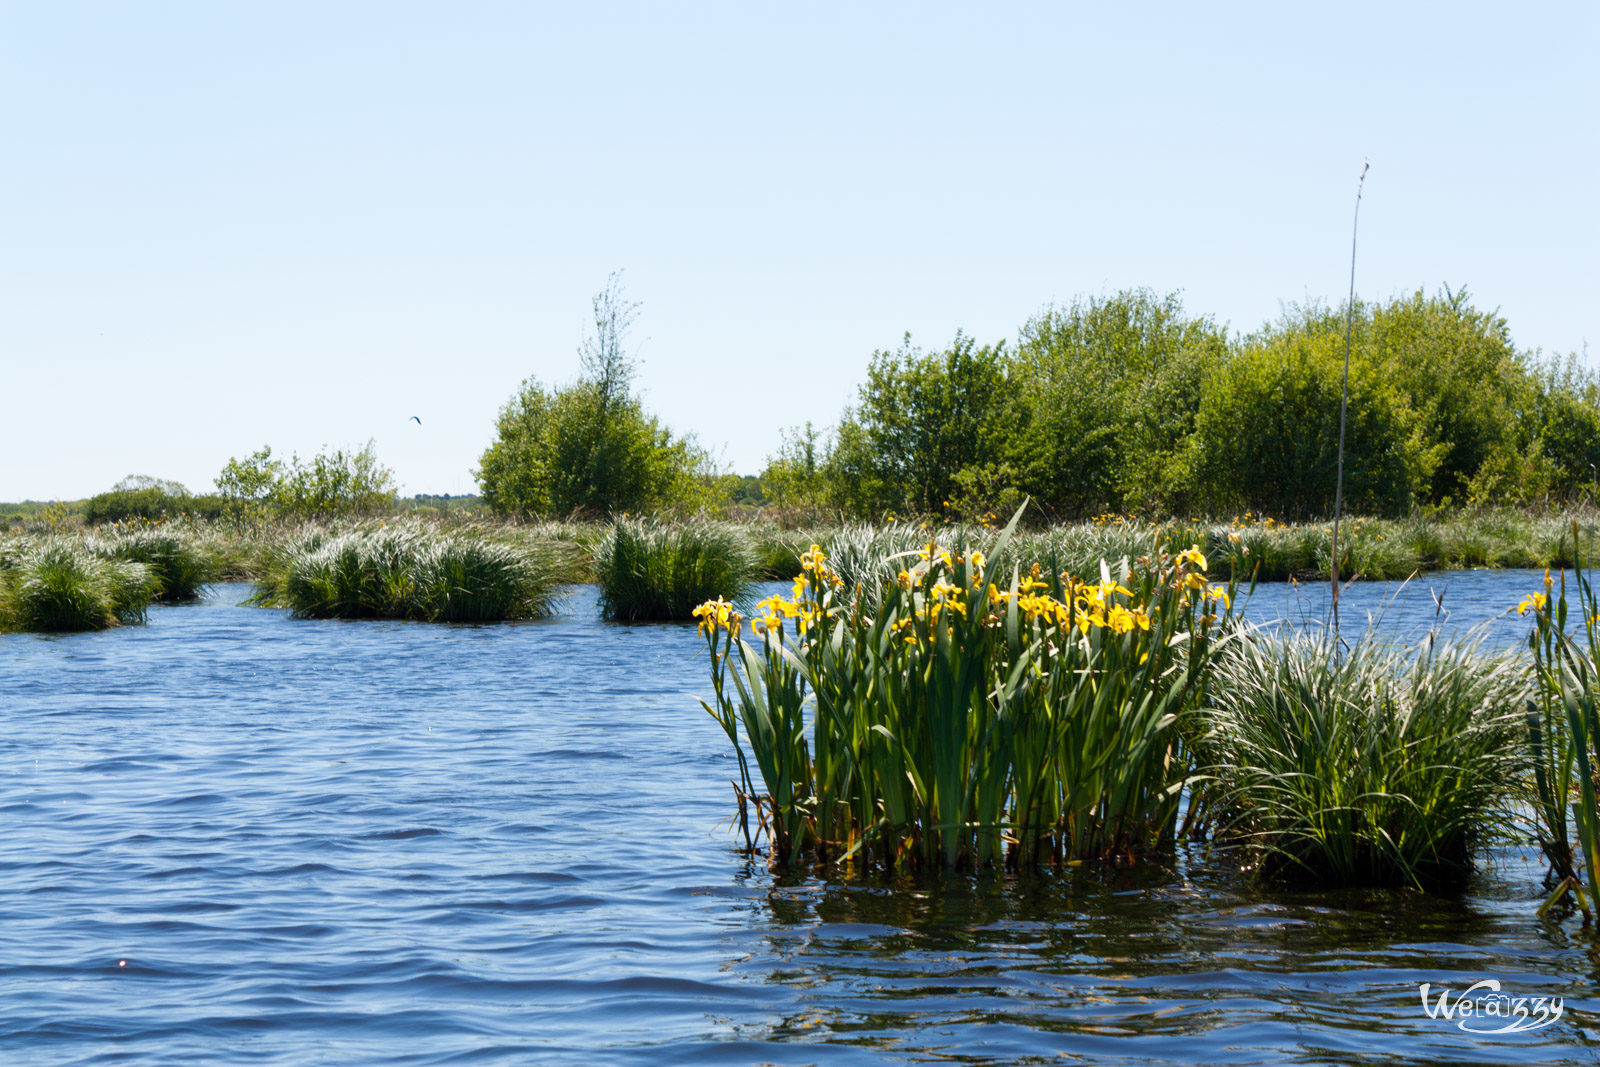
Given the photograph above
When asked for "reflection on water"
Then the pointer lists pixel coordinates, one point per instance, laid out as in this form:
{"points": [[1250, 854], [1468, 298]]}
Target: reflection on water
{"points": [[236, 837]]}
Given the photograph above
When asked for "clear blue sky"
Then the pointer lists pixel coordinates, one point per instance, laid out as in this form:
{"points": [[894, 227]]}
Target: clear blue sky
{"points": [[299, 224]]}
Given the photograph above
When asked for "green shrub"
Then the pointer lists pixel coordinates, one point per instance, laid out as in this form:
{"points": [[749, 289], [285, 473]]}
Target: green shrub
{"points": [[1267, 433], [589, 448], [654, 570], [137, 497]]}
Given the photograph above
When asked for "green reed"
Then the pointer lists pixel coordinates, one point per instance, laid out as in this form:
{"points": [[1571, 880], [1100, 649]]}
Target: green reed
{"points": [[923, 716], [1368, 765], [61, 583], [1564, 729], [408, 571], [655, 570], [179, 561]]}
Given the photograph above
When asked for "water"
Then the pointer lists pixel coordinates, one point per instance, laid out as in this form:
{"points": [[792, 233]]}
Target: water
{"points": [[235, 837]]}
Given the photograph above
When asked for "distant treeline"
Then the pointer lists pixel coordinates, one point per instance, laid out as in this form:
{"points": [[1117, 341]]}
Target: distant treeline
{"points": [[1125, 404], [1128, 404]]}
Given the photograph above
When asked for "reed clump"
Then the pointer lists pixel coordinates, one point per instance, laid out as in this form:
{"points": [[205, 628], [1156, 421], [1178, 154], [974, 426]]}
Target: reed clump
{"points": [[408, 571], [1372, 765], [928, 715], [59, 584], [179, 562], [655, 570]]}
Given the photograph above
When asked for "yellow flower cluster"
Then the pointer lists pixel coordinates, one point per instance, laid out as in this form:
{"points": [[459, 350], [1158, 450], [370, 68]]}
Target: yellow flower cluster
{"points": [[1088, 605], [717, 615]]}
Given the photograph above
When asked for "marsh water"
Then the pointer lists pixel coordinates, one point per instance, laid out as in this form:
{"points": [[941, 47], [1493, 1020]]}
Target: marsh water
{"points": [[235, 837]]}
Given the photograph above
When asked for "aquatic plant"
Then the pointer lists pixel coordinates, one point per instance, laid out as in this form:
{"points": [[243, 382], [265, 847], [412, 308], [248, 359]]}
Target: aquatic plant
{"points": [[407, 572], [958, 722], [179, 562], [654, 570], [61, 584], [1564, 730], [1367, 765]]}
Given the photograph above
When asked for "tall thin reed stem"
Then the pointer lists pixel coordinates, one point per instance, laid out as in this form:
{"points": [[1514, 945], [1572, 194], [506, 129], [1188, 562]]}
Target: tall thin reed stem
{"points": [[1344, 404]]}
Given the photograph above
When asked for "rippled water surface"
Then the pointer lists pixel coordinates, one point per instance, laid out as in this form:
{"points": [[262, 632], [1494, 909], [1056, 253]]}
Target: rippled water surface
{"points": [[235, 837]]}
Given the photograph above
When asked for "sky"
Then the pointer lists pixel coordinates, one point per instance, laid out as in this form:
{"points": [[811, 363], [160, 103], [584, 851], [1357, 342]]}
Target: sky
{"points": [[224, 226]]}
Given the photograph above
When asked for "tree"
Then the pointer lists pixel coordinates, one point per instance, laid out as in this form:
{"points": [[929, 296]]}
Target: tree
{"points": [[138, 496], [1267, 433], [590, 447], [923, 417], [795, 478], [329, 483], [1111, 386], [335, 483]]}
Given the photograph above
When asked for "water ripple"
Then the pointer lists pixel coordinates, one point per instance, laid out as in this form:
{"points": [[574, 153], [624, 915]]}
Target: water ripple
{"points": [[235, 837]]}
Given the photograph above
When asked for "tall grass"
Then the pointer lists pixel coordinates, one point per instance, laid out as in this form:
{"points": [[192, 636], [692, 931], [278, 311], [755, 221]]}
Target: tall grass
{"points": [[655, 570], [1564, 729], [1372, 766], [921, 716], [178, 561], [407, 572], [61, 584]]}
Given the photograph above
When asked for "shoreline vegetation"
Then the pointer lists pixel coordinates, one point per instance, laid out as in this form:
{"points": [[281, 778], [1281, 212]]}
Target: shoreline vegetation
{"points": [[959, 697], [661, 569]]}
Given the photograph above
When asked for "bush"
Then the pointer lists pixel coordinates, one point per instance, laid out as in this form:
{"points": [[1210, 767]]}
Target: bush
{"points": [[653, 570], [137, 497], [1267, 433], [589, 448], [1107, 391]]}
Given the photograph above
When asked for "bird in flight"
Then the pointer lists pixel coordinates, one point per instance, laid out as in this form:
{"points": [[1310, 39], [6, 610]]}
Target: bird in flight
{"points": [[416, 420]]}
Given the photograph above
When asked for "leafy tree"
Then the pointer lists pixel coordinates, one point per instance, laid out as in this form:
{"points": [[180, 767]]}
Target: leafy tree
{"points": [[1459, 372], [590, 447], [334, 483], [1267, 432], [796, 477], [922, 418], [329, 483], [137, 496], [1110, 386], [246, 485]]}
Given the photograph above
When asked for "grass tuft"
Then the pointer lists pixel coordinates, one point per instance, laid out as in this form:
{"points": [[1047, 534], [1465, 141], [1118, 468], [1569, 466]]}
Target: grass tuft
{"points": [[179, 563], [62, 585], [1372, 766], [655, 570], [408, 572]]}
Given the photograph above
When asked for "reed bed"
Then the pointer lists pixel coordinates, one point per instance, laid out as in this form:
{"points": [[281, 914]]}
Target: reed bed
{"points": [[61, 583], [408, 571], [918, 714], [1372, 765], [654, 570], [178, 561]]}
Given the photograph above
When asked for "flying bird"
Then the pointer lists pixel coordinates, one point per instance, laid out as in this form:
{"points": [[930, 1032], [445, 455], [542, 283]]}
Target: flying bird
{"points": [[416, 420]]}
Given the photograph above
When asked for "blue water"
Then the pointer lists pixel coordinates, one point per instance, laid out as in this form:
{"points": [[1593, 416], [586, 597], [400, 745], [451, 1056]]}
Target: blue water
{"points": [[235, 837]]}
